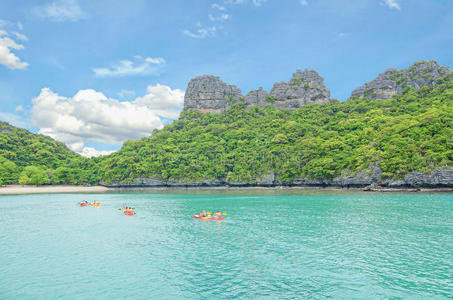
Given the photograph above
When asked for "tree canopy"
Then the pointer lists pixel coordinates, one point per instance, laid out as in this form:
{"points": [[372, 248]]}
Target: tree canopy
{"points": [[407, 133]]}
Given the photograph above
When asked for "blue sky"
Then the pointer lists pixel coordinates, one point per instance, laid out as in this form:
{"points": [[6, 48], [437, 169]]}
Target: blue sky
{"points": [[60, 59]]}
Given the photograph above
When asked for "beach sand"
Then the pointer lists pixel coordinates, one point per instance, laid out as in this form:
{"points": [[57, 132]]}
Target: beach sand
{"points": [[24, 189]]}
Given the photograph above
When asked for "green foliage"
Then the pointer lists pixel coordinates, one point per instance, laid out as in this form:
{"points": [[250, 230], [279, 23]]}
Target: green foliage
{"points": [[296, 81], [9, 171], [25, 148], [20, 149], [270, 98], [408, 133], [34, 175]]}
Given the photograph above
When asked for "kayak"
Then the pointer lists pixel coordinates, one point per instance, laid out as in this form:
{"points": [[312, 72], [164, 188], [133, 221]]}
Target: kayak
{"points": [[129, 213], [83, 204], [208, 218], [95, 204]]}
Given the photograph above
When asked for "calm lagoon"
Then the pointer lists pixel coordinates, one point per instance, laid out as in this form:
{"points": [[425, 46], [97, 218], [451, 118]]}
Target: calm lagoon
{"points": [[342, 245]]}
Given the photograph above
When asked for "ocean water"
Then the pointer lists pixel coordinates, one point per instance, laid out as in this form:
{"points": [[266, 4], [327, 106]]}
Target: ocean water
{"points": [[350, 246]]}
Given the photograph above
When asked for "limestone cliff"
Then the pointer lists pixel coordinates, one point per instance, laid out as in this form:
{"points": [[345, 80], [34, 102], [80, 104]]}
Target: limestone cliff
{"points": [[392, 82], [210, 94]]}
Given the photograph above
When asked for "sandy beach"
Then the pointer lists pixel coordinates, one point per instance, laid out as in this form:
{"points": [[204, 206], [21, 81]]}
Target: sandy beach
{"points": [[23, 189]]}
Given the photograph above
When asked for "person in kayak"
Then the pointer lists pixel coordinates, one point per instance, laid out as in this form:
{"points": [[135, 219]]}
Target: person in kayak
{"points": [[218, 214], [203, 214]]}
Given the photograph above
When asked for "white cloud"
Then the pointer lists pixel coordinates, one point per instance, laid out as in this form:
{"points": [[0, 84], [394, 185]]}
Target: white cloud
{"points": [[218, 6], [164, 101], [303, 2], [19, 108], [89, 116], [393, 4], [258, 2], [60, 11], [201, 33], [124, 93], [156, 60], [20, 36], [8, 58], [234, 1], [140, 66], [91, 152], [221, 18]]}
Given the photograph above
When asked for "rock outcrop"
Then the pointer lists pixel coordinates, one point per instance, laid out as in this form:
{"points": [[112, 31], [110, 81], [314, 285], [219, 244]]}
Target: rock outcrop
{"points": [[441, 177], [393, 82], [210, 94], [257, 97], [305, 87], [370, 177]]}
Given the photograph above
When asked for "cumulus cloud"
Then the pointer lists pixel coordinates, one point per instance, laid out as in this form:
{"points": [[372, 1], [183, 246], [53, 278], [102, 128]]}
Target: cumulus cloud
{"points": [[60, 11], [393, 4], [201, 33], [8, 58], [140, 66], [164, 101], [91, 152], [89, 116]]}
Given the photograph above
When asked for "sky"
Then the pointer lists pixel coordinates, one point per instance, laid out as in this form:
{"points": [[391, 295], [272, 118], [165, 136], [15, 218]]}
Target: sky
{"points": [[94, 74]]}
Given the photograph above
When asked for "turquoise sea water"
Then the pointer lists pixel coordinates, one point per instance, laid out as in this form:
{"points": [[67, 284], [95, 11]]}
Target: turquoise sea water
{"points": [[270, 246]]}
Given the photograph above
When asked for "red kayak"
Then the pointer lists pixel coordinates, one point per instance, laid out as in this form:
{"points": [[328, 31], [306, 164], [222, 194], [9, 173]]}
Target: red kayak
{"points": [[208, 218], [83, 204], [129, 213]]}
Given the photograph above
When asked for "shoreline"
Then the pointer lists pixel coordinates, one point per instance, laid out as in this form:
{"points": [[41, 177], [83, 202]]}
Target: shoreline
{"points": [[75, 189], [51, 189]]}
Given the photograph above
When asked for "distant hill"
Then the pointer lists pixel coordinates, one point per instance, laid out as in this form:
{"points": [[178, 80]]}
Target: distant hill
{"points": [[396, 131], [20, 149], [25, 148], [353, 143]]}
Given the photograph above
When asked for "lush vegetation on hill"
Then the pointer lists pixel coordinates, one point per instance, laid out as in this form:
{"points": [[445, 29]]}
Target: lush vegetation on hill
{"points": [[29, 158], [410, 132]]}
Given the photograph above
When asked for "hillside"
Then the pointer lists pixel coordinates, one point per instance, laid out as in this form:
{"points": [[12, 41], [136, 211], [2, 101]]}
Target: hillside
{"points": [[356, 142], [27, 155], [294, 135]]}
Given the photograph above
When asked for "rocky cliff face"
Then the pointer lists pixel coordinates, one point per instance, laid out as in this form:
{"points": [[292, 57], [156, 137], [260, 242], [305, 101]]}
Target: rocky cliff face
{"points": [[392, 82], [305, 87], [210, 94], [370, 178]]}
